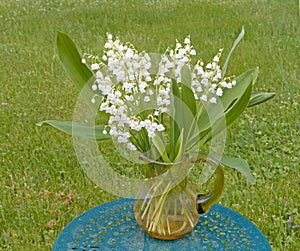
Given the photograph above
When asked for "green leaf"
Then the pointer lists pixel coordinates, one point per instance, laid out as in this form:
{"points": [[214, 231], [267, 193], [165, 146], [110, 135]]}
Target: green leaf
{"points": [[234, 101], [174, 110], [238, 107], [260, 97], [179, 147], [183, 110], [187, 94], [173, 128], [74, 129], [242, 83], [71, 60], [240, 165], [161, 147], [238, 39], [231, 114], [189, 105]]}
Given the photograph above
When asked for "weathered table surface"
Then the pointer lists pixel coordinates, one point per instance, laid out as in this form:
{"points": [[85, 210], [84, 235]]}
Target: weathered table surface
{"points": [[111, 226]]}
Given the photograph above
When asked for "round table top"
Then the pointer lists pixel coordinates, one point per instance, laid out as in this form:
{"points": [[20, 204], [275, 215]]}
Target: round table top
{"points": [[112, 226]]}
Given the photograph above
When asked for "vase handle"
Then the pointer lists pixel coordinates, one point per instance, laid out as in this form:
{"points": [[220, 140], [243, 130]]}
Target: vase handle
{"points": [[205, 201]]}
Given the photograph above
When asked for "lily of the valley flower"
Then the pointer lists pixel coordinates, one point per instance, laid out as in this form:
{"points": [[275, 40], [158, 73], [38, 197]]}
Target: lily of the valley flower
{"points": [[128, 83]]}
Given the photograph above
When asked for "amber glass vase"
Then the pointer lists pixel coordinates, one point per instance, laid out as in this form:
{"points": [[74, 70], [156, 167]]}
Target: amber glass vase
{"points": [[168, 207]]}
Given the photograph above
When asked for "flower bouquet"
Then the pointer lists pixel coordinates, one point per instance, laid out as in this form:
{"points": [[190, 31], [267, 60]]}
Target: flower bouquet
{"points": [[162, 110]]}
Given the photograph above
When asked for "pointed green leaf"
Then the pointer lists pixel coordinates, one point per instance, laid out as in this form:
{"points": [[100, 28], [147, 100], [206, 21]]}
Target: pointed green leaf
{"points": [[240, 165], [187, 94], [173, 128], [238, 39], [183, 110], [74, 129], [233, 102], [189, 109], [71, 60], [242, 82], [238, 107], [179, 147], [231, 114], [174, 109], [260, 97], [161, 147]]}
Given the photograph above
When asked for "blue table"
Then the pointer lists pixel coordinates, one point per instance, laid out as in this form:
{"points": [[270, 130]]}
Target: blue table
{"points": [[111, 226]]}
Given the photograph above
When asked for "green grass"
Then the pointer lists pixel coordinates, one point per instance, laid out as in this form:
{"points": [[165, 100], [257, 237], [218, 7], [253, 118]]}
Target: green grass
{"points": [[42, 186]]}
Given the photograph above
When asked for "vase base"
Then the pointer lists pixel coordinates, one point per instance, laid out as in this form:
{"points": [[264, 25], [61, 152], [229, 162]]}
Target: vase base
{"points": [[166, 237], [176, 229]]}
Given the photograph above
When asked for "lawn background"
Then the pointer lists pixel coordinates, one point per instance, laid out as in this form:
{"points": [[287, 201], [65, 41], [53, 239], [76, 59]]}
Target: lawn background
{"points": [[42, 186]]}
